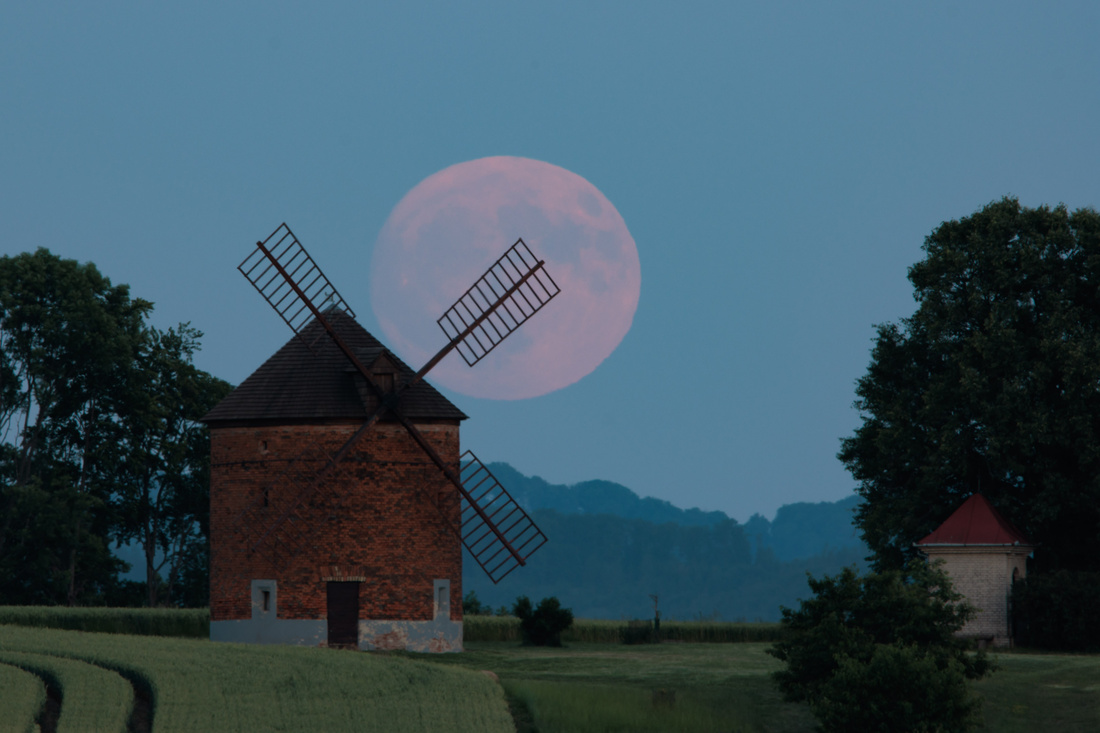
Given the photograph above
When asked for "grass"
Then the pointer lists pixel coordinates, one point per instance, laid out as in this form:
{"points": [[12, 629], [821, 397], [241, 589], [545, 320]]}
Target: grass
{"points": [[189, 622], [584, 688], [201, 685], [1030, 692], [93, 698], [23, 696], [661, 687]]}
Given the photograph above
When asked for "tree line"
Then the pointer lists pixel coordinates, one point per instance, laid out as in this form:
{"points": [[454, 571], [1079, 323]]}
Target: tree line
{"points": [[100, 441]]}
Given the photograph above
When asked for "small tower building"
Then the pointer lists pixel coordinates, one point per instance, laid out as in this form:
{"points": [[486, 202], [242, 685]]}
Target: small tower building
{"points": [[983, 554], [353, 556]]}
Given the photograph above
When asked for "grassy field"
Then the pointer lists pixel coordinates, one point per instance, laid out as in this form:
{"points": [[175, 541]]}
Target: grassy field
{"points": [[725, 687], [23, 696], [95, 699], [1032, 692], [200, 685], [663, 687], [605, 687]]}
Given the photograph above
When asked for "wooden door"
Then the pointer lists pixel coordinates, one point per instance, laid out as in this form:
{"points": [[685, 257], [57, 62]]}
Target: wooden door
{"points": [[343, 614]]}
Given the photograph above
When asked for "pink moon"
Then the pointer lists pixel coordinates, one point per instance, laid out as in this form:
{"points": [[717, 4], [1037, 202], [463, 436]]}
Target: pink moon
{"points": [[453, 225]]}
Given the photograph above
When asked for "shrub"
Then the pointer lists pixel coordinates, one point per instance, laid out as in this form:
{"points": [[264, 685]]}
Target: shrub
{"points": [[542, 626], [899, 687], [1057, 611], [864, 632]]}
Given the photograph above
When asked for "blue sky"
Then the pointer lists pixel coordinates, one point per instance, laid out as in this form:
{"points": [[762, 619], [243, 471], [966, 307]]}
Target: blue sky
{"points": [[778, 165]]}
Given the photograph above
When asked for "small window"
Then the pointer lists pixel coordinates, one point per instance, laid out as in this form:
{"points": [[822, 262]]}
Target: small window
{"points": [[384, 382], [266, 600], [263, 446], [267, 498]]}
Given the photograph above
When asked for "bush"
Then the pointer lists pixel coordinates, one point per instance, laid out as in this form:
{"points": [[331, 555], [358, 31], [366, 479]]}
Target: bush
{"points": [[1057, 611], [899, 687], [861, 632], [542, 626]]}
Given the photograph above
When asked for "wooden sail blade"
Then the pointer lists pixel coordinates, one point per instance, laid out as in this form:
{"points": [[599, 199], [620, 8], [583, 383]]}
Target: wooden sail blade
{"points": [[515, 288], [498, 533], [290, 281]]}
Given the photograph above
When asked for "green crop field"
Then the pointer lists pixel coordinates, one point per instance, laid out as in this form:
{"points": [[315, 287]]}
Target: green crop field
{"points": [[199, 685], [94, 698], [189, 684], [24, 694], [601, 631]]}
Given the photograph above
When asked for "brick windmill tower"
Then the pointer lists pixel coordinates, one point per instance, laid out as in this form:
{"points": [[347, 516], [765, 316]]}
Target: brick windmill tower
{"points": [[339, 501]]}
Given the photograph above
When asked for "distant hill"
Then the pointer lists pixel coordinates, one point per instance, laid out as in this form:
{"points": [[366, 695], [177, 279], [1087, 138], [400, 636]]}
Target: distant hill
{"points": [[596, 497], [804, 529], [610, 549]]}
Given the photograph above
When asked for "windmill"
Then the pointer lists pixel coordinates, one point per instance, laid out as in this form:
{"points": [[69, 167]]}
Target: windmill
{"points": [[276, 524]]}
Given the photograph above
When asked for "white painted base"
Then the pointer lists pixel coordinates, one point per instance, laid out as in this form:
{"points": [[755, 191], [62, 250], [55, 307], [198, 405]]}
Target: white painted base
{"points": [[437, 636]]}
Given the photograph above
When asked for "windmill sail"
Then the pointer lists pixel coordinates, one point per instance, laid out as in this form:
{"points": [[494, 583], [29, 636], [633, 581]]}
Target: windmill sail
{"points": [[515, 288]]}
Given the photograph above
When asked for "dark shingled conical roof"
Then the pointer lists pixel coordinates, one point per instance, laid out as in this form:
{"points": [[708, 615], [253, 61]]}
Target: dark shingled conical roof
{"points": [[299, 384]]}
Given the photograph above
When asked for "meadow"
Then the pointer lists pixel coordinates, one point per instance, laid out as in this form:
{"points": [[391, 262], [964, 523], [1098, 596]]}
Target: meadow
{"points": [[606, 686]]}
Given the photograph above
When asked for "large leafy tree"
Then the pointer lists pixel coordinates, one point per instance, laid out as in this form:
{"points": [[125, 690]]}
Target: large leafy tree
{"points": [[67, 339], [161, 490], [992, 386], [100, 439]]}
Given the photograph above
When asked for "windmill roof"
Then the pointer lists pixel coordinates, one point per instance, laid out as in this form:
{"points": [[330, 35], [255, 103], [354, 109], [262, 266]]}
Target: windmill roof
{"points": [[976, 522], [310, 378]]}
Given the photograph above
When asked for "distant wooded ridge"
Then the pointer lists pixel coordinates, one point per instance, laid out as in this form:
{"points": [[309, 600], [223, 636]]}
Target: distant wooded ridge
{"points": [[610, 549]]}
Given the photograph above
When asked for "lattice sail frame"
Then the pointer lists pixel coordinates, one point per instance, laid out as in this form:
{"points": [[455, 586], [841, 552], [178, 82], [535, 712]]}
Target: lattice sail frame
{"points": [[291, 301], [485, 491], [517, 279], [511, 291]]}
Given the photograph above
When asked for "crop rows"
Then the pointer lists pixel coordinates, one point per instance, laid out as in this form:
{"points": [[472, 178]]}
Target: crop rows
{"points": [[24, 695], [201, 685], [188, 622], [93, 698]]}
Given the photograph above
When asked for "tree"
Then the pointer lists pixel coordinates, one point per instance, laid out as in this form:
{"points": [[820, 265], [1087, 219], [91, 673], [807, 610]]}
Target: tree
{"points": [[67, 337], [542, 625], [992, 386], [99, 437], [162, 488], [868, 652]]}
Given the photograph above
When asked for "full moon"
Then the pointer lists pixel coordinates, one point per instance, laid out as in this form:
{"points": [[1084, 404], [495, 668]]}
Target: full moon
{"points": [[453, 226]]}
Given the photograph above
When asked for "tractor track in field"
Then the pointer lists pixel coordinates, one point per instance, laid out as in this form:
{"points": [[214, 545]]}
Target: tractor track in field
{"points": [[51, 709], [141, 717]]}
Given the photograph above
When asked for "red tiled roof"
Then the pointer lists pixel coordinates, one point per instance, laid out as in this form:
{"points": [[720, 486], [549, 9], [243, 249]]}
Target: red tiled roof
{"points": [[300, 384], [976, 522]]}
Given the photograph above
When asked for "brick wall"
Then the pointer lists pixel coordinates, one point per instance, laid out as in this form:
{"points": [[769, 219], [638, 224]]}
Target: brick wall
{"points": [[371, 520], [984, 575]]}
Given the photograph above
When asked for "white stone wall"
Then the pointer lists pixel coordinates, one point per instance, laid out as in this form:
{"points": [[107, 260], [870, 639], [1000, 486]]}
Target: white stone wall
{"points": [[984, 576]]}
